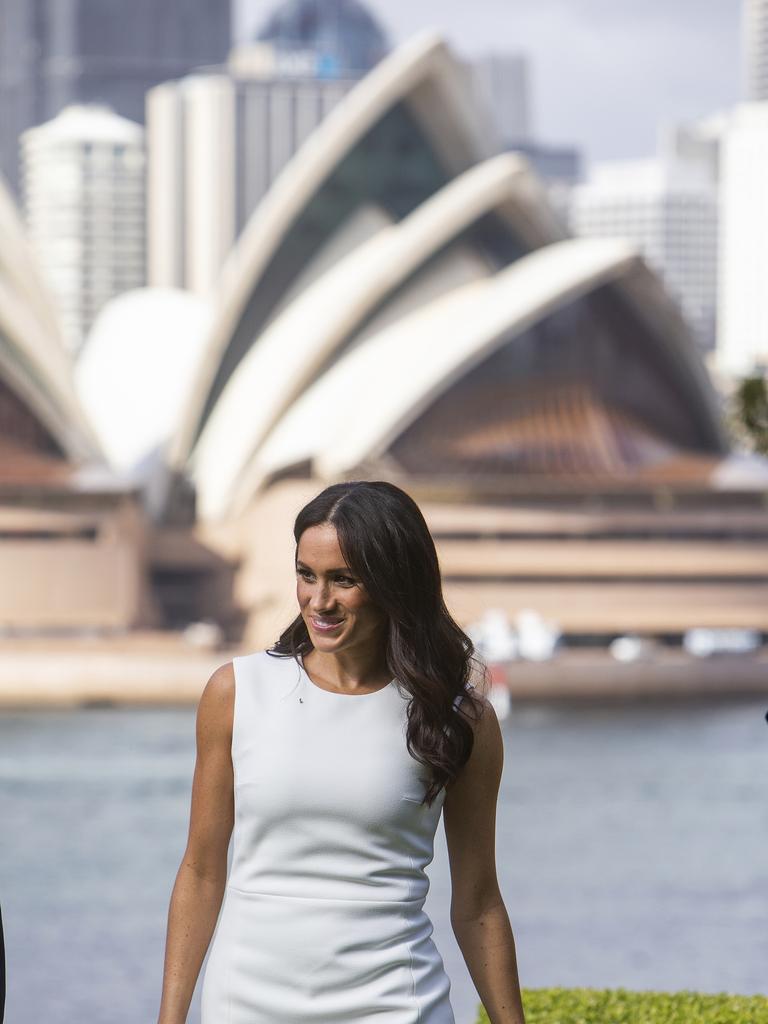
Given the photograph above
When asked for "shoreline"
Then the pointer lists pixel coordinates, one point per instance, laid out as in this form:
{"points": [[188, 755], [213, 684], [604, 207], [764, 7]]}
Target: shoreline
{"points": [[164, 670]]}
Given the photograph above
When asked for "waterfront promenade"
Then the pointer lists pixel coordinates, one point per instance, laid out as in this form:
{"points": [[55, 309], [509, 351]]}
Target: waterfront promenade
{"points": [[162, 668]]}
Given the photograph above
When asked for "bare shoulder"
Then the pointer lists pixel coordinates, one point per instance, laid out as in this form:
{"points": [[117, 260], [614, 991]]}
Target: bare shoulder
{"points": [[486, 725], [221, 683], [215, 709], [484, 766], [484, 721]]}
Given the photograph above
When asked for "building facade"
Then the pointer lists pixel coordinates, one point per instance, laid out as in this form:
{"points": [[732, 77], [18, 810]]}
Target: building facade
{"points": [[216, 143], [83, 183], [755, 37], [668, 207], [541, 398], [743, 333], [72, 535], [54, 54]]}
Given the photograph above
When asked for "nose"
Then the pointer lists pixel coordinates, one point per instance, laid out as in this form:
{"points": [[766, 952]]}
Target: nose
{"points": [[321, 600]]}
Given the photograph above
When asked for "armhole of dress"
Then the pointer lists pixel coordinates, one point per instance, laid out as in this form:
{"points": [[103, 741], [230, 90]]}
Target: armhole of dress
{"points": [[247, 670]]}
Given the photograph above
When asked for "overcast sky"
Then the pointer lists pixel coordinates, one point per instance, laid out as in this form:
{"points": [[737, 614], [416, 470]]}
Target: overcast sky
{"points": [[604, 74]]}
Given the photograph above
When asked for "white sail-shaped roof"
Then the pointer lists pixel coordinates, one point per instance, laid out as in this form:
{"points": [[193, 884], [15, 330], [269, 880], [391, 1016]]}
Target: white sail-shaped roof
{"points": [[33, 362], [355, 411], [416, 97], [134, 371], [298, 343]]}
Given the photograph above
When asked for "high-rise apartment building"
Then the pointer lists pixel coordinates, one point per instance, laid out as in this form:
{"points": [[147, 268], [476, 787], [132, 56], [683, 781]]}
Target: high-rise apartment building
{"points": [[83, 178], [54, 53], [216, 142], [217, 139], [755, 45], [668, 207]]}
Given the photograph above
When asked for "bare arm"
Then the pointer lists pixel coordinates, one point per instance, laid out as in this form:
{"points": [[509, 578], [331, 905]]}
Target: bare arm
{"points": [[478, 916], [201, 878]]}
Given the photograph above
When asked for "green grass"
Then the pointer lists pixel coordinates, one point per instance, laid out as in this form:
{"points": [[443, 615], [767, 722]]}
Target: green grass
{"points": [[621, 1006]]}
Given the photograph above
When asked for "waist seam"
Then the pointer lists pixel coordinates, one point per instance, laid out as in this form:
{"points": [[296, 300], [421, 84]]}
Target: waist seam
{"points": [[417, 901]]}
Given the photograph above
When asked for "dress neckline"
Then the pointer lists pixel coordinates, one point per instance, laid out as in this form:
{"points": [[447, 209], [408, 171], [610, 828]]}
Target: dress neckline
{"points": [[339, 693]]}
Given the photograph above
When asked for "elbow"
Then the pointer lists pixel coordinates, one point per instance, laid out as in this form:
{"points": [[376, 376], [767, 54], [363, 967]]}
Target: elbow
{"points": [[206, 868], [214, 877], [475, 905]]}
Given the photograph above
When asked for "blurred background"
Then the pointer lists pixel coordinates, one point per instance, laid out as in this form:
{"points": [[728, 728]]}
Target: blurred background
{"points": [[511, 257]]}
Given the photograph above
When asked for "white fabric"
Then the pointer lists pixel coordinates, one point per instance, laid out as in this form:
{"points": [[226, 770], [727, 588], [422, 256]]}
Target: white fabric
{"points": [[322, 919]]}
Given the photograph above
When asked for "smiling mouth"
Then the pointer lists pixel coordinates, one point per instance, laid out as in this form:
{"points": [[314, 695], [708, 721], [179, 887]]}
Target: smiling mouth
{"points": [[325, 625]]}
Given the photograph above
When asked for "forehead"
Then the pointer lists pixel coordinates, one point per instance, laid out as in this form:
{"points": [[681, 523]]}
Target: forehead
{"points": [[319, 546]]}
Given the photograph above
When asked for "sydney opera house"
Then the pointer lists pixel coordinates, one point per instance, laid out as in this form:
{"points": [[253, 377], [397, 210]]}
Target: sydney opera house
{"points": [[403, 304]]}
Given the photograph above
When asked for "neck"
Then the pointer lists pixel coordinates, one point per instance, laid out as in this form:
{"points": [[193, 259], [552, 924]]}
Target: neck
{"points": [[351, 669]]}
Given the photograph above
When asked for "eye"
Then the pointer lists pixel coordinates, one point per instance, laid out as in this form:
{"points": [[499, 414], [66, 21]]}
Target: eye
{"points": [[346, 581], [305, 573]]}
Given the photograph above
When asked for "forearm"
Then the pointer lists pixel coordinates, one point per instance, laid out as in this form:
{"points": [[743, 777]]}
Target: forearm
{"points": [[488, 947], [192, 915]]}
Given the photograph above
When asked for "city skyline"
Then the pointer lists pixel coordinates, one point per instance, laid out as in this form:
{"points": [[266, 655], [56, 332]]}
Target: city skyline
{"points": [[594, 35], [658, 69]]}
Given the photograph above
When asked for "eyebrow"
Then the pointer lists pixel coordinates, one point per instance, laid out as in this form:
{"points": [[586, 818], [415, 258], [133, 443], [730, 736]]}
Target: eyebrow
{"points": [[302, 565]]}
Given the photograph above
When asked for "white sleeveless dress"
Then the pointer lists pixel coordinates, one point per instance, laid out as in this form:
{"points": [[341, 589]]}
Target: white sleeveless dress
{"points": [[322, 919]]}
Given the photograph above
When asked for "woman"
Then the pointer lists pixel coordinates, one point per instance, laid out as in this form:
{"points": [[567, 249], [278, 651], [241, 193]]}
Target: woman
{"points": [[334, 754]]}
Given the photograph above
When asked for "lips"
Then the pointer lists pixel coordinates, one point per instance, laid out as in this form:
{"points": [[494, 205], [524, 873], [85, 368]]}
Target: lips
{"points": [[325, 625]]}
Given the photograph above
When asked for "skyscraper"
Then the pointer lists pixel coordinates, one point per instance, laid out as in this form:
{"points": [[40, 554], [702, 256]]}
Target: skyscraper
{"points": [[216, 143], [668, 207], [755, 33], [55, 53], [83, 178]]}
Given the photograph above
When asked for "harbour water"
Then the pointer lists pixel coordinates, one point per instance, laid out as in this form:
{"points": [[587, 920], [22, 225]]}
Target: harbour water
{"points": [[631, 849]]}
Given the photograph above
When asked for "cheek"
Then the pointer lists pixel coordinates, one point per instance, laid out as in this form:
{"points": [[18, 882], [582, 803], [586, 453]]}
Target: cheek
{"points": [[366, 612]]}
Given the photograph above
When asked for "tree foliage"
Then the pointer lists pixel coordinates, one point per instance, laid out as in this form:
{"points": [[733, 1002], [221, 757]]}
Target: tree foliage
{"points": [[749, 413]]}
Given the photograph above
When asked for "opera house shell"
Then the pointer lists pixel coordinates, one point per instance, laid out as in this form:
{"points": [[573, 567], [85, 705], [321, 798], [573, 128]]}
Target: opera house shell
{"points": [[71, 533], [404, 304]]}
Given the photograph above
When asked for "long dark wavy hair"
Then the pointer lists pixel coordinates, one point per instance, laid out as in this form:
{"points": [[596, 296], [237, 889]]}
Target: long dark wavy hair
{"points": [[387, 544]]}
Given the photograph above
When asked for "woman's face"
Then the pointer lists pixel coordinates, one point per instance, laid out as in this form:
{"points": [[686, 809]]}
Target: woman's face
{"points": [[335, 606]]}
